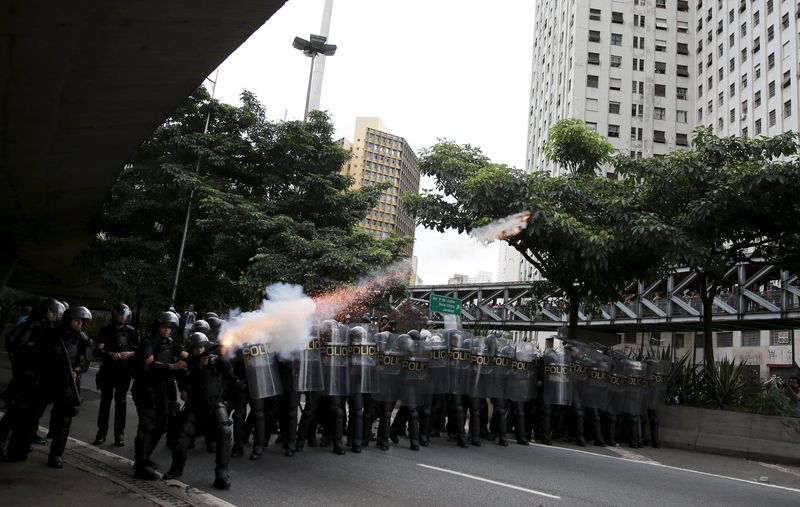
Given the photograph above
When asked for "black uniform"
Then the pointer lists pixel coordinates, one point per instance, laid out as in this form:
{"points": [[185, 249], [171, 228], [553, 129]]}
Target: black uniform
{"points": [[65, 359], [205, 386], [114, 377], [153, 386]]}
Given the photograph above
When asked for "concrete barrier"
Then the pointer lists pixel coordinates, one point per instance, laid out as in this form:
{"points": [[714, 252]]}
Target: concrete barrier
{"points": [[740, 434]]}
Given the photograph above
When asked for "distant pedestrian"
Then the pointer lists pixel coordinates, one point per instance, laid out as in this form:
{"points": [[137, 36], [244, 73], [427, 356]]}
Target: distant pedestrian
{"points": [[189, 318]]}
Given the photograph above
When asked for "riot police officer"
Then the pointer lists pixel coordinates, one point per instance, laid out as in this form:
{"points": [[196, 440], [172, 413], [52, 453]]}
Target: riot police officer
{"points": [[154, 389], [204, 390], [116, 344], [65, 359], [24, 345]]}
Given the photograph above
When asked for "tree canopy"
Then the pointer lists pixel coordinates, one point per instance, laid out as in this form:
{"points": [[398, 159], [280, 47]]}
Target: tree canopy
{"points": [[268, 204], [727, 200], [579, 235]]}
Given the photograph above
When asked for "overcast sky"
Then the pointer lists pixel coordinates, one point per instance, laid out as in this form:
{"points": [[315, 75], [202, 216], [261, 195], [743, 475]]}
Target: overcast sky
{"points": [[455, 69]]}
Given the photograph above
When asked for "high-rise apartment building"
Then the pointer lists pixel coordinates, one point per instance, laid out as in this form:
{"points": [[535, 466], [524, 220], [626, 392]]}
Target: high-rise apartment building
{"points": [[381, 157], [645, 72]]}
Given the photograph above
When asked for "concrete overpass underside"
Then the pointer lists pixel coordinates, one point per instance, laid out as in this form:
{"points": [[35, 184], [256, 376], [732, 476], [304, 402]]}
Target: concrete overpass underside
{"points": [[82, 84]]}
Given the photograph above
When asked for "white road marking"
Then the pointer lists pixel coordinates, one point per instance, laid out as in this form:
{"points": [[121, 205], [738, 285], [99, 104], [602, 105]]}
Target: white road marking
{"points": [[633, 456], [496, 483], [779, 468], [655, 464]]}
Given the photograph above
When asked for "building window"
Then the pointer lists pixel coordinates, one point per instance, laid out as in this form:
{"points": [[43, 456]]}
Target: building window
{"points": [[616, 17], [615, 83], [744, 81], [779, 337], [699, 91], [787, 79], [659, 113], [616, 61], [638, 87], [751, 338], [757, 99], [785, 21], [758, 126], [678, 341], [756, 18], [682, 139], [613, 107], [732, 115], [616, 39], [661, 90], [725, 339], [681, 116], [636, 133], [756, 45], [594, 14], [661, 45], [591, 104], [659, 136], [661, 4], [744, 55], [683, 71], [613, 131], [772, 118], [699, 113], [638, 42], [683, 27], [771, 89], [757, 71], [638, 64], [592, 81], [594, 36], [743, 29], [591, 125], [770, 32], [681, 93], [594, 59], [661, 68], [771, 60], [637, 110], [683, 48], [787, 109], [638, 20], [732, 89], [661, 23]]}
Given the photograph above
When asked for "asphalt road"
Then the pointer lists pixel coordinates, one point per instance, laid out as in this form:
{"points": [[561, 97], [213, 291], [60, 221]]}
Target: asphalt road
{"points": [[444, 474]]}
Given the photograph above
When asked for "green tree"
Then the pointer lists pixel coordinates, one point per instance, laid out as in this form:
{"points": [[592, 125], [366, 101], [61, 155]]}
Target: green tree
{"points": [[268, 204], [726, 201], [581, 233]]}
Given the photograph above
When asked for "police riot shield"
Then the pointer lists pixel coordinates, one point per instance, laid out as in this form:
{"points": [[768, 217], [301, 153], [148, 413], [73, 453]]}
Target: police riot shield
{"points": [[597, 387], [307, 365], [579, 372], [557, 388], [415, 373], [363, 362], [501, 375], [438, 378], [522, 369], [636, 381], [389, 366], [335, 358], [261, 370], [481, 365], [617, 385], [460, 356], [657, 371]]}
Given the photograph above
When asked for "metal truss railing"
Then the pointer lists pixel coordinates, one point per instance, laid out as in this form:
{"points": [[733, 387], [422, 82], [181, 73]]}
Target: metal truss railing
{"points": [[754, 295]]}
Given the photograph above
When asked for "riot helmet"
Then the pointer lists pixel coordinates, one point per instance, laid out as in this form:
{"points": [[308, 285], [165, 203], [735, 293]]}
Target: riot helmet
{"points": [[366, 319], [121, 312], [198, 339], [201, 326], [78, 312], [415, 335], [358, 335], [168, 319], [210, 315]]}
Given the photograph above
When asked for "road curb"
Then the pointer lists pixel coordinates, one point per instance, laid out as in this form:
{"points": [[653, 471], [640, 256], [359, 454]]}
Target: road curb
{"points": [[119, 470]]}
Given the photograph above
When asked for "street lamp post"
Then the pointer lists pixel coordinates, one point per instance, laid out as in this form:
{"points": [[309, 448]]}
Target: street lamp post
{"points": [[311, 48]]}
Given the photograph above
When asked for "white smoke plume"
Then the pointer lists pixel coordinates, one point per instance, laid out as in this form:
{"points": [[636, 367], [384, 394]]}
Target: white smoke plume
{"points": [[502, 228], [283, 321]]}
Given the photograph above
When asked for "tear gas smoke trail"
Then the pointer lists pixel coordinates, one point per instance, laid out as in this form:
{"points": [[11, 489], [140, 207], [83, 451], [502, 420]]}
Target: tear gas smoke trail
{"points": [[502, 228], [285, 317]]}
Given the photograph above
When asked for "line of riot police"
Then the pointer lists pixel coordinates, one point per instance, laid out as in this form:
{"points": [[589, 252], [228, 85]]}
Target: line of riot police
{"points": [[351, 378]]}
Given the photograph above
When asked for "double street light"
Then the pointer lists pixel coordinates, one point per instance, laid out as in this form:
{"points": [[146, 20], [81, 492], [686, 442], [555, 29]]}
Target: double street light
{"points": [[312, 48]]}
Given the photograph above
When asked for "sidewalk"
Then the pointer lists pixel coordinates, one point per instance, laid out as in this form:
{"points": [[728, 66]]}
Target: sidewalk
{"points": [[93, 477]]}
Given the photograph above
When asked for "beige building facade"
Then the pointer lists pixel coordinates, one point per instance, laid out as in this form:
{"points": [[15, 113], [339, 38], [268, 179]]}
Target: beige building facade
{"points": [[380, 157]]}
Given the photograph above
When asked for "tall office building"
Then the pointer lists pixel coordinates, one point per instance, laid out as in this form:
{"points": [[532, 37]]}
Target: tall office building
{"points": [[381, 157], [645, 72]]}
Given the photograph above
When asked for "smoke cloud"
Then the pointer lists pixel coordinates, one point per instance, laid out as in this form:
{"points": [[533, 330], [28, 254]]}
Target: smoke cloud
{"points": [[502, 228]]}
